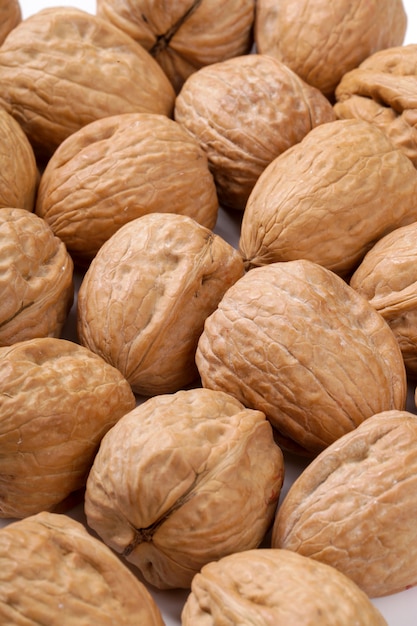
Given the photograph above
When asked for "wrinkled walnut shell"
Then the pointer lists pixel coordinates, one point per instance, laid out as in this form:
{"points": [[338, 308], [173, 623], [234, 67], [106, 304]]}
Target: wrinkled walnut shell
{"points": [[57, 400], [184, 479]]}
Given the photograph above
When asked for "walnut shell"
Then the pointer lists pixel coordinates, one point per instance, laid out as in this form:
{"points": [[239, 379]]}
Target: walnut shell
{"points": [[245, 112], [184, 479], [354, 507], [53, 572], [293, 340], [36, 278], [57, 400], [184, 35], [329, 198], [387, 277], [321, 40], [93, 70], [144, 299], [19, 171], [119, 168], [276, 587], [382, 90], [10, 16]]}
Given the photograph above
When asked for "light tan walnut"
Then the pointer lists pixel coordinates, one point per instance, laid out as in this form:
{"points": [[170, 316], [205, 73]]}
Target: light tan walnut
{"points": [[19, 171], [10, 16], [62, 68], [144, 299], [54, 572], [329, 198], [57, 400], [271, 586], [354, 507], [245, 112], [186, 34], [119, 168], [293, 340], [322, 40], [184, 479], [382, 90], [36, 278]]}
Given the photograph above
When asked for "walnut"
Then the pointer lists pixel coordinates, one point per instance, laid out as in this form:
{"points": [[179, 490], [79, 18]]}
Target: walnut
{"points": [[10, 16]]}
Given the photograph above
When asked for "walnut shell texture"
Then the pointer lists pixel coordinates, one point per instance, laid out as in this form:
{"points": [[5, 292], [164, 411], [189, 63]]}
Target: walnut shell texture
{"points": [[10, 16], [244, 112], [119, 168], [144, 299], [321, 41], [329, 198], [36, 278], [53, 572], [354, 507], [57, 400], [93, 70], [184, 35], [382, 90], [272, 586], [293, 340], [184, 479], [19, 172]]}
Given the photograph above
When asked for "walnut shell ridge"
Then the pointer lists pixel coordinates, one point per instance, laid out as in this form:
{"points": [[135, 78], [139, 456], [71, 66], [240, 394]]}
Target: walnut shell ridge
{"points": [[10, 16]]}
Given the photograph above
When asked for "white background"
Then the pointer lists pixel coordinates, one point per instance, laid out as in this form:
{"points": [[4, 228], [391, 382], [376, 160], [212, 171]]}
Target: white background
{"points": [[399, 609]]}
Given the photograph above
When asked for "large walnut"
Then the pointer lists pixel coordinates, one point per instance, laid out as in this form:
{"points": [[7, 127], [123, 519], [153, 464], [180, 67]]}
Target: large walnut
{"points": [[329, 198], [184, 479], [382, 90], [245, 112], [19, 172], [186, 34], [36, 278], [293, 340], [10, 16], [57, 400], [322, 40], [355, 506], [54, 572], [144, 299], [119, 168], [62, 68], [269, 586]]}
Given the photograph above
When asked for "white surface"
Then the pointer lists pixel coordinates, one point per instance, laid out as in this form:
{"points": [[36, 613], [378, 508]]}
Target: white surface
{"points": [[399, 609]]}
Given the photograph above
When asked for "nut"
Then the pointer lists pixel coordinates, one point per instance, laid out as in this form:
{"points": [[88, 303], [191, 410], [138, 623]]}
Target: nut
{"points": [[10, 16], [93, 70], [329, 198], [144, 299], [57, 400], [354, 507], [53, 571], [321, 41], [276, 587], [184, 479], [245, 112], [36, 278], [119, 168], [294, 341], [186, 34]]}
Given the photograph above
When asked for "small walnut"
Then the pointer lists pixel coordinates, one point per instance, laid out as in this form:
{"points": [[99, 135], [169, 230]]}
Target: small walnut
{"points": [[54, 572], [10, 16], [57, 400], [184, 479], [36, 278], [186, 34], [329, 198], [144, 299], [354, 507], [295, 341], [323, 40], [119, 168], [276, 587], [245, 112], [19, 171], [62, 68]]}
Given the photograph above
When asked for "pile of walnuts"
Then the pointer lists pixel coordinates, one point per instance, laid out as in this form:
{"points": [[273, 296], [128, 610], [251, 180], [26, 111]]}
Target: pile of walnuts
{"points": [[208, 266]]}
